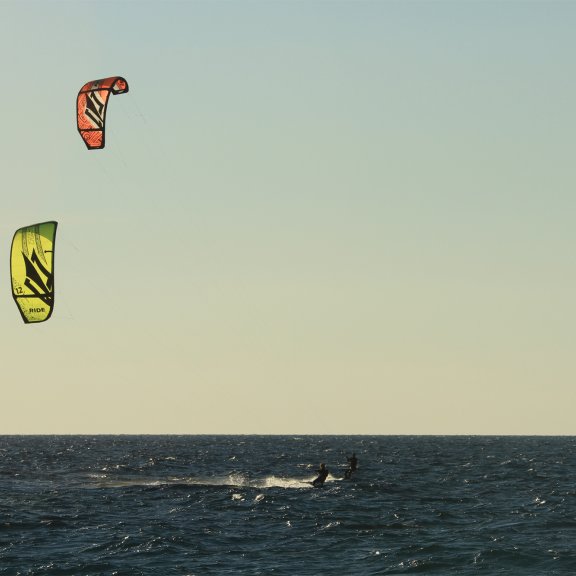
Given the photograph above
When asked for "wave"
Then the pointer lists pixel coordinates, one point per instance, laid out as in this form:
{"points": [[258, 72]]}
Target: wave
{"points": [[234, 480]]}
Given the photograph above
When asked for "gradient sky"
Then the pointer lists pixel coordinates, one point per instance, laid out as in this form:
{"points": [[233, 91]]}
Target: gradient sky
{"points": [[310, 217]]}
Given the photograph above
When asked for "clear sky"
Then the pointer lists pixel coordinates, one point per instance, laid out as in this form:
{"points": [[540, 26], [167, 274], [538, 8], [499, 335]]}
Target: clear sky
{"points": [[309, 217]]}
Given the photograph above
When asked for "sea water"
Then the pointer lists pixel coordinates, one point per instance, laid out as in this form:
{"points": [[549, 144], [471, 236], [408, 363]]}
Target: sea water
{"points": [[244, 505]]}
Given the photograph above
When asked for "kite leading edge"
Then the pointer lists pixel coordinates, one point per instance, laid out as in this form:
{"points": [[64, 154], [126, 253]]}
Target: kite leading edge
{"points": [[32, 270], [91, 104]]}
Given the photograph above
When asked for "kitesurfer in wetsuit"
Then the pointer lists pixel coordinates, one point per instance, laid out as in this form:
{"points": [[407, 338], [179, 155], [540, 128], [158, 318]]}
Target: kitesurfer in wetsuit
{"points": [[352, 465], [322, 475]]}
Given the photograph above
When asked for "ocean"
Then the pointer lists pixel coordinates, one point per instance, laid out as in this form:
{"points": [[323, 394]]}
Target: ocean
{"points": [[244, 505]]}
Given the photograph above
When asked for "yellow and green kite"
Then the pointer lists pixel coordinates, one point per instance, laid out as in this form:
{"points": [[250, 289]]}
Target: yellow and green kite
{"points": [[32, 270]]}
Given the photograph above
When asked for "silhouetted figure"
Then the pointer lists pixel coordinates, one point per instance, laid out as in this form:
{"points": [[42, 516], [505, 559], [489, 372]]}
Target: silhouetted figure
{"points": [[352, 465], [322, 475]]}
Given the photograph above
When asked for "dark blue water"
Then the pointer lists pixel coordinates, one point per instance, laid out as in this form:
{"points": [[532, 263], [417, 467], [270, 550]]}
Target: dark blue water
{"points": [[219, 505]]}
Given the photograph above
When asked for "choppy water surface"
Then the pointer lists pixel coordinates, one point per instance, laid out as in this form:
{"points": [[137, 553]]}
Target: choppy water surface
{"points": [[218, 505]]}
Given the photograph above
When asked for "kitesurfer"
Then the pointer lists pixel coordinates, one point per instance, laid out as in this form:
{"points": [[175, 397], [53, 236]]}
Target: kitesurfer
{"points": [[322, 475], [352, 465]]}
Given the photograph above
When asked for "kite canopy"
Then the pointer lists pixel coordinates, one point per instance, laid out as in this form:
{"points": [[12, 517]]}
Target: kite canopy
{"points": [[32, 270], [91, 106]]}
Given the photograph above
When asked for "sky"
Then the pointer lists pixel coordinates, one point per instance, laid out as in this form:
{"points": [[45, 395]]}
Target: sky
{"points": [[319, 217]]}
